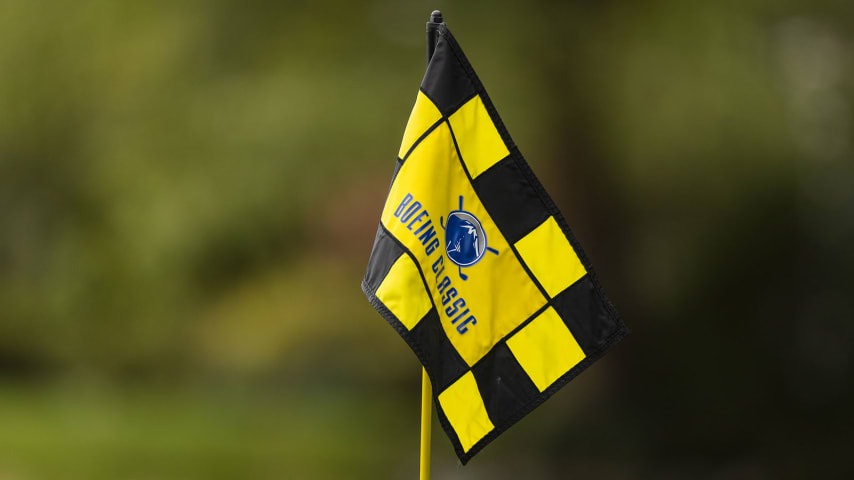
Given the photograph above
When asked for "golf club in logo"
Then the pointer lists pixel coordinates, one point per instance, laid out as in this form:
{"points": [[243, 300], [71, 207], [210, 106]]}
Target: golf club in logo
{"points": [[465, 240]]}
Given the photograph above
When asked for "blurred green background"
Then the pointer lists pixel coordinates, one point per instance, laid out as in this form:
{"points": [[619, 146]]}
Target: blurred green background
{"points": [[189, 193]]}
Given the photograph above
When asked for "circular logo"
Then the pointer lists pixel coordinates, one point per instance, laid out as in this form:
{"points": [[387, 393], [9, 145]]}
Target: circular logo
{"points": [[465, 240]]}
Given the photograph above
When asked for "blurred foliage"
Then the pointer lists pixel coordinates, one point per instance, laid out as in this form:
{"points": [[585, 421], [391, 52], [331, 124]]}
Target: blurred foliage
{"points": [[189, 193]]}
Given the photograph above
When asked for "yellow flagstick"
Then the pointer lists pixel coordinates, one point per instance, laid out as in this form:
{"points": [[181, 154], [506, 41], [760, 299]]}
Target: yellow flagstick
{"points": [[426, 418], [426, 388]]}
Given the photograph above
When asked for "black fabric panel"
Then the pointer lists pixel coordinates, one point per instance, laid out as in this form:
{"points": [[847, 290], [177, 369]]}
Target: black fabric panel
{"points": [[446, 82], [443, 364], [397, 164], [385, 252], [503, 384], [510, 199], [586, 315]]}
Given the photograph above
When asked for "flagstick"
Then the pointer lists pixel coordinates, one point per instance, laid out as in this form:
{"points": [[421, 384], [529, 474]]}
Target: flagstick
{"points": [[426, 417], [426, 388]]}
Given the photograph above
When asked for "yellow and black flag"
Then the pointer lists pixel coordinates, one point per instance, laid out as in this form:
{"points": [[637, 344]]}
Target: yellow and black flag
{"points": [[476, 268]]}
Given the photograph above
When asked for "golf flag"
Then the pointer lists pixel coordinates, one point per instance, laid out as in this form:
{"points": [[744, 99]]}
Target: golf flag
{"points": [[475, 267]]}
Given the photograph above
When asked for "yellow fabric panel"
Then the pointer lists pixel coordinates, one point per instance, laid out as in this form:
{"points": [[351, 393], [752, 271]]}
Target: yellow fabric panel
{"points": [[550, 257], [424, 114], [464, 408], [480, 144], [402, 292], [545, 348], [498, 291]]}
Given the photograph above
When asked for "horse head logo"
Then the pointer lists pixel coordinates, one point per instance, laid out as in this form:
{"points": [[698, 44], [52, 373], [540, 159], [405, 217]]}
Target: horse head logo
{"points": [[465, 240]]}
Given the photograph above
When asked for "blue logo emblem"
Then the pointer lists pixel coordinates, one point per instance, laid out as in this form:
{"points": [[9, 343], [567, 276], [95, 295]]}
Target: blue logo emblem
{"points": [[465, 240]]}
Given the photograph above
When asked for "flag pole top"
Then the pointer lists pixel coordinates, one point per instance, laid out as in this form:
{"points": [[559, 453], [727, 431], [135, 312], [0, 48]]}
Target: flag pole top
{"points": [[432, 26]]}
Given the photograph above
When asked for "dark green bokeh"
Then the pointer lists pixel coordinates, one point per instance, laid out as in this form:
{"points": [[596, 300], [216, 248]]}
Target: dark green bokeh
{"points": [[189, 192]]}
